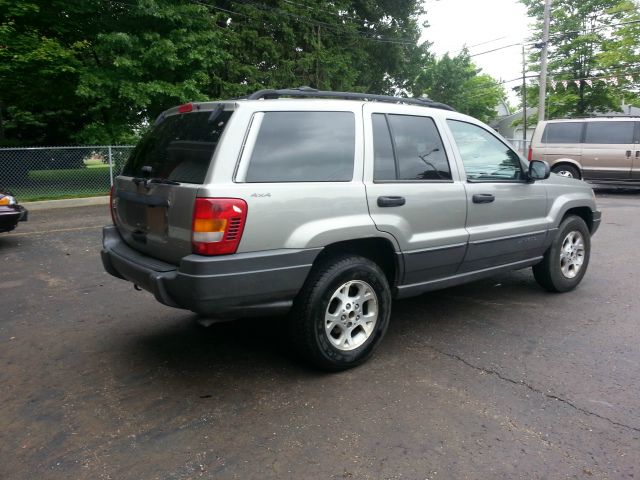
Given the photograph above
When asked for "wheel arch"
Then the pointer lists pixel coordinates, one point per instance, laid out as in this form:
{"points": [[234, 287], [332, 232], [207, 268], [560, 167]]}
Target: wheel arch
{"points": [[583, 212], [377, 249], [567, 161]]}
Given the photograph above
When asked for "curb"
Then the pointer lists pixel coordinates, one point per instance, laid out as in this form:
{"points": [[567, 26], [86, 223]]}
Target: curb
{"points": [[65, 203]]}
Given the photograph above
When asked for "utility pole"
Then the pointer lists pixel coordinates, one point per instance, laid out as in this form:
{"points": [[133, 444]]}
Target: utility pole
{"points": [[543, 60], [524, 101]]}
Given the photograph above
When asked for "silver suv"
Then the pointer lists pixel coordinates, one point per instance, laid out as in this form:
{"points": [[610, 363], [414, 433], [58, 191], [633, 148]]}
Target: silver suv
{"points": [[325, 206]]}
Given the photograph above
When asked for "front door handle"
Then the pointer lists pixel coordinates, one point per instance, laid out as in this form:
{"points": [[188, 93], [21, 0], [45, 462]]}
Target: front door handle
{"points": [[628, 153], [391, 201], [637, 153], [483, 198]]}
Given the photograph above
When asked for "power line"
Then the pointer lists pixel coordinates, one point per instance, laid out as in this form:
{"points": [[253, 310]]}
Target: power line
{"points": [[359, 20], [496, 49], [552, 36], [486, 42], [333, 29], [265, 8]]}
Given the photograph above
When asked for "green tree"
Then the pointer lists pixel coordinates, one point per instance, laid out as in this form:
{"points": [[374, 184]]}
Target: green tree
{"points": [[457, 82], [591, 42], [99, 71], [38, 74]]}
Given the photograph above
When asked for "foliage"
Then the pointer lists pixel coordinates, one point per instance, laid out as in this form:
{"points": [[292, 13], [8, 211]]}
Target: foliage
{"points": [[100, 71], [457, 82], [590, 40]]}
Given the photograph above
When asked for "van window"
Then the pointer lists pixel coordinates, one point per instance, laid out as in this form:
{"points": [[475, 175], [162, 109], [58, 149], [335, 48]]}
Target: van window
{"points": [[563, 132], [179, 148], [609, 132], [415, 153], [304, 147]]}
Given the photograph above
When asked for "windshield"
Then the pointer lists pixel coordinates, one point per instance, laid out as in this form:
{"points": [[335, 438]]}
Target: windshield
{"points": [[180, 148]]}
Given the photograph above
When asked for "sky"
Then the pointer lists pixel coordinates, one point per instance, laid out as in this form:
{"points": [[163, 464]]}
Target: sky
{"points": [[456, 23]]}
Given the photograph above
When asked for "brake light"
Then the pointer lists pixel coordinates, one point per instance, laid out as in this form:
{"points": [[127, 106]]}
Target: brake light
{"points": [[186, 108], [530, 154], [218, 224], [111, 205]]}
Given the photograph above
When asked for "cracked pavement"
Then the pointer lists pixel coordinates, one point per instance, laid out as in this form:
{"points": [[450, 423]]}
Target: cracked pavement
{"points": [[495, 379]]}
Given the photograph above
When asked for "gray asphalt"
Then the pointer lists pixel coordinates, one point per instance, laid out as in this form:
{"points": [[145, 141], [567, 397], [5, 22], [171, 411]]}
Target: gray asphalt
{"points": [[496, 379]]}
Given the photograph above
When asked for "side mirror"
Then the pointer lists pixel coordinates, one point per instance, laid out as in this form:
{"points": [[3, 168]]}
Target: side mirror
{"points": [[539, 170]]}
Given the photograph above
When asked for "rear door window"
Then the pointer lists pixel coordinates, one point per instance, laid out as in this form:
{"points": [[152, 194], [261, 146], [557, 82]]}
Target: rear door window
{"points": [[180, 148], [609, 132], [304, 147], [563, 132], [408, 147]]}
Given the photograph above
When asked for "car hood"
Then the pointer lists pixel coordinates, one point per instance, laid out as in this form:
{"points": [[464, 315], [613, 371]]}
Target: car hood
{"points": [[556, 179]]}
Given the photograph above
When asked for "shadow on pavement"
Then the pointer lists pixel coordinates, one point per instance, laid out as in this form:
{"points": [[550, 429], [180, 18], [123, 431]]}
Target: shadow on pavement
{"points": [[260, 347]]}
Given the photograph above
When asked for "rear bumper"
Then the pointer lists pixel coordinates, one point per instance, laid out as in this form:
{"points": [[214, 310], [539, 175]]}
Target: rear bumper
{"points": [[229, 286]]}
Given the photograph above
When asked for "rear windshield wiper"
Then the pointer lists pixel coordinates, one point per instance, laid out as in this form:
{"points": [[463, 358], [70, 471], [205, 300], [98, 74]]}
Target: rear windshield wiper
{"points": [[163, 181], [145, 181]]}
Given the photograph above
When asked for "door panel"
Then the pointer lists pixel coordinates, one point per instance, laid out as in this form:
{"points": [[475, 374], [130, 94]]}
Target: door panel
{"points": [[510, 229], [608, 150], [506, 215], [429, 227], [406, 158]]}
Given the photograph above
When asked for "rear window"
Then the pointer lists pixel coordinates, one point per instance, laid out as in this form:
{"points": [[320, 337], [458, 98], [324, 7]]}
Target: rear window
{"points": [[304, 147], [609, 132], [416, 152], [180, 148], [564, 132]]}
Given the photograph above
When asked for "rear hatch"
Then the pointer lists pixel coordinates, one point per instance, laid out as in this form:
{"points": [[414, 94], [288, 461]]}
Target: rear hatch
{"points": [[154, 197]]}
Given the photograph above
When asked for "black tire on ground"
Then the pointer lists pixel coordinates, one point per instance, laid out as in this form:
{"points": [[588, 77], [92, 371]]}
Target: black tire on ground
{"points": [[307, 318], [569, 170], [548, 273]]}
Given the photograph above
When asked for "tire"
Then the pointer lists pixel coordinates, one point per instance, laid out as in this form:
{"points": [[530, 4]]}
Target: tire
{"points": [[566, 170], [329, 326], [565, 262]]}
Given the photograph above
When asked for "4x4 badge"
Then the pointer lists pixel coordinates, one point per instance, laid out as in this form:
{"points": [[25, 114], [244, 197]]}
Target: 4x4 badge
{"points": [[260, 195]]}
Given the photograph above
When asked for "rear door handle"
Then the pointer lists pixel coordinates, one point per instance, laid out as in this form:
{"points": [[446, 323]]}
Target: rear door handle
{"points": [[637, 153], [483, 198], [391, 201]]}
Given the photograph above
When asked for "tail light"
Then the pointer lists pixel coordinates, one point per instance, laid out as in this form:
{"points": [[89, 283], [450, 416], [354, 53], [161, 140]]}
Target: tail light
{"points": [[218, 224], [111, 205], [530, 154]]}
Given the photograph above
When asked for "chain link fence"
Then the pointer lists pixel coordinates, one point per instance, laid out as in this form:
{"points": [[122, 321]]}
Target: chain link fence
{"points": [[43, 173]]}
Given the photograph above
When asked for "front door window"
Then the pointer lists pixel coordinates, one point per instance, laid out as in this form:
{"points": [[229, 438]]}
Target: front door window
{"points": [[485, 158]]}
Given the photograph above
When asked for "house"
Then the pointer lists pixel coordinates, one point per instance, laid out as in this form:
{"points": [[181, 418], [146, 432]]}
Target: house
{"points": [[511, 127]]}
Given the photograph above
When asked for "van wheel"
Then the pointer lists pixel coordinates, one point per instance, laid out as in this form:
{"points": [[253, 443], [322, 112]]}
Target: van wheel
{"points": [[565, 262], [341, 313], [565, 170]]}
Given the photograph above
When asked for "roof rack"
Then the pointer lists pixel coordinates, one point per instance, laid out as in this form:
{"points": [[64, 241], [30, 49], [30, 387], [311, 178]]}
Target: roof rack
{"points": [[308, 92]]}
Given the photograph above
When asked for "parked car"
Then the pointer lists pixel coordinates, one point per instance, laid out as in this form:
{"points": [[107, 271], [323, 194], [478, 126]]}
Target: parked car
{"points": [[10, 212], [599, 150], [325, 206]]}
